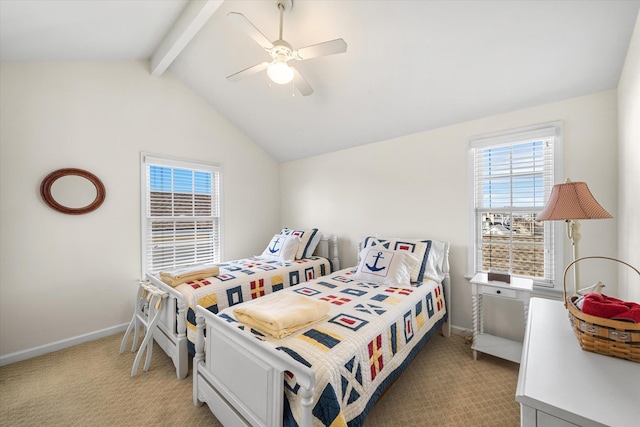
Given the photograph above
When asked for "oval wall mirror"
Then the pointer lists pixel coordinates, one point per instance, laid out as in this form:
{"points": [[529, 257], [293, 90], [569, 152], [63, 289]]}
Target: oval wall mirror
{"points": [[72, 191]]}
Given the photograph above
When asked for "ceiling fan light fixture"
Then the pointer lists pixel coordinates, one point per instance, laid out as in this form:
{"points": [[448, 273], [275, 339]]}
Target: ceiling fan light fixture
{"points": [[279, 72], [281, 52]]}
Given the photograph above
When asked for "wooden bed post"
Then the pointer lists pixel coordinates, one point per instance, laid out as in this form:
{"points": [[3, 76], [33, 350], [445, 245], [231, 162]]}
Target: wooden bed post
{"points": [[335, 259], [182, 364], [446, 328], [199, 356], [306, 402], [328, 248]]}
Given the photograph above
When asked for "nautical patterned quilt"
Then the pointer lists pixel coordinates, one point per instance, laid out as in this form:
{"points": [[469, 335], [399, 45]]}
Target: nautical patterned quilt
{"points": [[371, 335], [244, 280]]}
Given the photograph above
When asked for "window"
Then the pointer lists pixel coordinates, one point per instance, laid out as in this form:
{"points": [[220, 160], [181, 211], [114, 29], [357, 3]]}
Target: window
{"points": [[513, 173], [181, 213]]}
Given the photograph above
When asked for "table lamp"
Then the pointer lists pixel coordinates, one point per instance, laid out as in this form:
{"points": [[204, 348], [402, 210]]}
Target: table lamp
{"points": [[569, 202]]}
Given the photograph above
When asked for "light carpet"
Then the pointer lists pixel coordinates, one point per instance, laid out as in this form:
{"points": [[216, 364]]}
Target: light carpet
{"points": [[89, 385]]}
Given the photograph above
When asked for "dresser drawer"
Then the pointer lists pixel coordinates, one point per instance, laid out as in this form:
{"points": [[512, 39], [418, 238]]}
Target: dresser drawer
{"points": [[501, 292]]}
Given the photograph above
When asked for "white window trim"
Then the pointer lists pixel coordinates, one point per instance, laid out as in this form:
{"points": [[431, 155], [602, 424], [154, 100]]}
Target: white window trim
{"points": [[178, 163], [556, 129]]}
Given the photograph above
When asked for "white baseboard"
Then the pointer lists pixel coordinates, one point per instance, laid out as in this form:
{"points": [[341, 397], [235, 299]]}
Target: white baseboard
{"points": [[457, 330], [59, 345]]}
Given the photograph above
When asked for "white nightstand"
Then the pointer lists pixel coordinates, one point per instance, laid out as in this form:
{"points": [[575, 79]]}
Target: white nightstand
{"points": [[562, 385], [520, 290]]}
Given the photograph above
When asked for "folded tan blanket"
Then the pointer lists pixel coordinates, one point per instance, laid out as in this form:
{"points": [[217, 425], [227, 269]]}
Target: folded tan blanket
{"points": [[281, 313], [181, 275]]}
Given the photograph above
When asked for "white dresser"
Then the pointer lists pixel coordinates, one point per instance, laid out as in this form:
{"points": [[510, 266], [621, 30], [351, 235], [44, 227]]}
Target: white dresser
{"points": [[561, 385]]}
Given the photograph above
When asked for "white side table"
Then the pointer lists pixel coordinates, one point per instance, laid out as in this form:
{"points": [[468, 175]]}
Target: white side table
{"points": [[519, 289], [560, 384]]}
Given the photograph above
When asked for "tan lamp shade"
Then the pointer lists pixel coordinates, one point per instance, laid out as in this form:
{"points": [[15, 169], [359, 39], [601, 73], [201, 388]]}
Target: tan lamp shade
{"points": [[572, 200]]}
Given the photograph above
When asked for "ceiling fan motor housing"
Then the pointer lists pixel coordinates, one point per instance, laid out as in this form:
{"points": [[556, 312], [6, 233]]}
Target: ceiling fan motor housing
{"points": [[281, 50]]}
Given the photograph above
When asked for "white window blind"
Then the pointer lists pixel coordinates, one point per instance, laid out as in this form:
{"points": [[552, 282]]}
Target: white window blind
{"points": [[513, 176], [181, 213]]}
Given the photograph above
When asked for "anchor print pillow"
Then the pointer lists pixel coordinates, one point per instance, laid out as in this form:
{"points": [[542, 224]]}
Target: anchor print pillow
{"points": [[282, 248], [420, 248], [385, 267]]}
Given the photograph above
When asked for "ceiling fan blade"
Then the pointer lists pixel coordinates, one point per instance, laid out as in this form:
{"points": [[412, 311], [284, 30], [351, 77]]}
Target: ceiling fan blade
{"points": [[250, 29], [301, 84], [247, 72], [321, 49]]}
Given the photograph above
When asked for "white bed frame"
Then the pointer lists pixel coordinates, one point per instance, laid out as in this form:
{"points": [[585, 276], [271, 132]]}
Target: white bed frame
{"points": [[241, 378], [171, 330]]}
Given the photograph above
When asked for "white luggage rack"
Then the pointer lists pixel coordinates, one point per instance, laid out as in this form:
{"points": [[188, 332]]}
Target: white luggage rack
{"points": [[146, 314]]}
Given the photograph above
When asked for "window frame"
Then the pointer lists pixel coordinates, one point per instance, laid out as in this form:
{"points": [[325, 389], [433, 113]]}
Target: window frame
{"points": [[556, 228], [173, 162]]}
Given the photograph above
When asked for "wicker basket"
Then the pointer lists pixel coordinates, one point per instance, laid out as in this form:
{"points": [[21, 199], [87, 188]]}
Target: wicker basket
{"points": [[601, 335]]}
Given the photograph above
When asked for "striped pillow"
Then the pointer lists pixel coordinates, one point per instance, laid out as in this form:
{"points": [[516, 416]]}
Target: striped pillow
{"points": [[306, 239]]}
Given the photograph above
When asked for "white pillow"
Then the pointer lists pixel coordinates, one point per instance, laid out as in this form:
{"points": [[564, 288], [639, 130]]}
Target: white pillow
{"points": [[390, 268], [282, 248], [435, 262]]}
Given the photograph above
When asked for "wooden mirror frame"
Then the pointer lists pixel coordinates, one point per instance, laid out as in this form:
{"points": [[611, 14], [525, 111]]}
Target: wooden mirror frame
{"points": [[47, 182]]}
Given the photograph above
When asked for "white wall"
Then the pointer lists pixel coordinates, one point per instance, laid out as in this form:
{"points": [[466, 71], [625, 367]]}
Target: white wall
{"points": [[629, 164], [62, 276], [416, 186]]}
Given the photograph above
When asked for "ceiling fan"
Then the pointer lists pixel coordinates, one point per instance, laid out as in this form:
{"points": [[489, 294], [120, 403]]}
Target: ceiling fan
{"points": [[279, 70]]}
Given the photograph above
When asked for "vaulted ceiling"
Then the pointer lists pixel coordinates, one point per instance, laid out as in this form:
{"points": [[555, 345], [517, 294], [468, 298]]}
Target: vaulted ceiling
{"points": [[410, 66]]}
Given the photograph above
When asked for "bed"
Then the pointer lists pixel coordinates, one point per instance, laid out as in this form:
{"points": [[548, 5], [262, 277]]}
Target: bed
{"points": [[237, 281], [332, 371]]}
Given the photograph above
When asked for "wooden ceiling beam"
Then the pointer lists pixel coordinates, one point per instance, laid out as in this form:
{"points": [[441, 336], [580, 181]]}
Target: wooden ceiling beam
{"points": [[195, 14]]}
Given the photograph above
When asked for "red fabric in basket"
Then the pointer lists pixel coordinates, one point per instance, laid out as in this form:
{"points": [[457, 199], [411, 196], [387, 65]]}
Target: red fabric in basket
{"points": [[611, 308]]}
